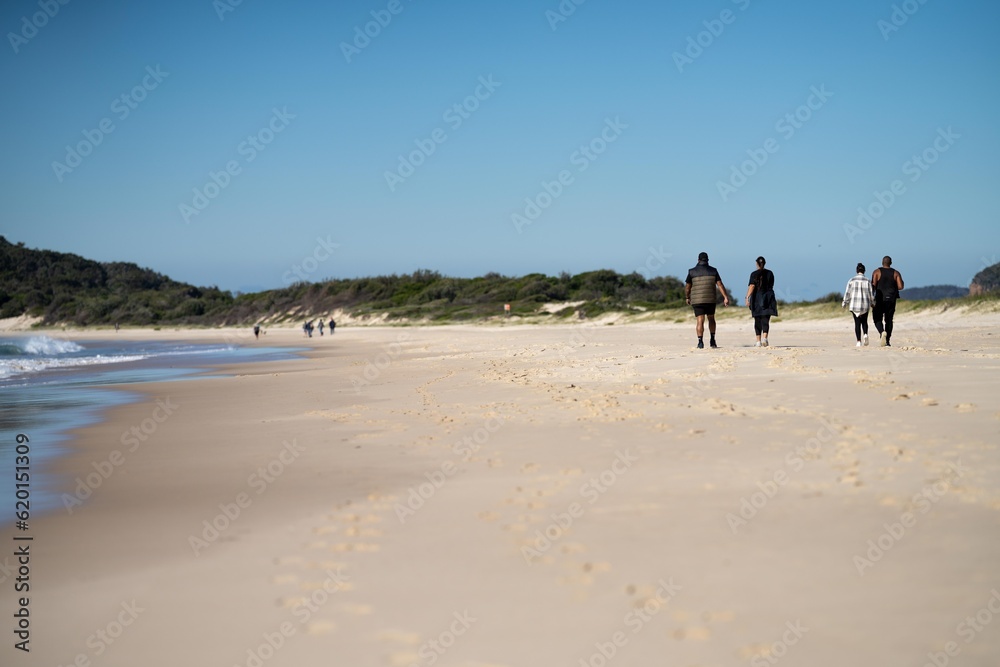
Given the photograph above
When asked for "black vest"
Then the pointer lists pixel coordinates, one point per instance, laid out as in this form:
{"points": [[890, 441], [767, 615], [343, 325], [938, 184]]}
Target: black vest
{"points": [[886, 286]]}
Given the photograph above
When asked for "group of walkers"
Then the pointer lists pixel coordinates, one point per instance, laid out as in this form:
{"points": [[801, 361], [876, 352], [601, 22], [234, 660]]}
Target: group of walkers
{"points": [[307, 328], [878, 295]]}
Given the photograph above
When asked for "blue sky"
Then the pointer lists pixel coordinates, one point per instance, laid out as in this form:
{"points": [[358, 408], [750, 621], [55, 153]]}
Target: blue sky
{"points": [[736, 127]]}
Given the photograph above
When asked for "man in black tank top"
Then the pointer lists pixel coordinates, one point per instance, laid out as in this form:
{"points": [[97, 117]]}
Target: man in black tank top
{"points": [[887, 283]]}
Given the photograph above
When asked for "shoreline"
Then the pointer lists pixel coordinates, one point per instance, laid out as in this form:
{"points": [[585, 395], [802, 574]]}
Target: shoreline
{"points": [[456, 477]]}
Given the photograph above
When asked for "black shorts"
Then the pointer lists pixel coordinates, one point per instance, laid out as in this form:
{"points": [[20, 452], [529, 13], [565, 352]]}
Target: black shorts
{"points": [[703, 308]]}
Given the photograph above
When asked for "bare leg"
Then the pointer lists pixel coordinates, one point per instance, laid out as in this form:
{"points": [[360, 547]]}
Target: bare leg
{"points": [[699, 326]]}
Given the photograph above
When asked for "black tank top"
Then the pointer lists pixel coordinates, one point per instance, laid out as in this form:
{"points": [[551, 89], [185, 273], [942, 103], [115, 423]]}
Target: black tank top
{"points": [[887, 284]]}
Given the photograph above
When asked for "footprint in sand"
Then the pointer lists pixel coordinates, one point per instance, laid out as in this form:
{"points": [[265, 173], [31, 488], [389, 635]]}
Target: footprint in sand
{"points": [[356, 522], [358, 547], [695, 633], [321, 628], [751, 651], [401, 655], [358, 609]]}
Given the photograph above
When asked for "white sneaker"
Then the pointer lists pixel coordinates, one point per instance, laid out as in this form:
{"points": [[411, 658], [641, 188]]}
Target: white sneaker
{"points": [[859, 344], [882, 339], [757, 344], [764, 343], [864, 339]]}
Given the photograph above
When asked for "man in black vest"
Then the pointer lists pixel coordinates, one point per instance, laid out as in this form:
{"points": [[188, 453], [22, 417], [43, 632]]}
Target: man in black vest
{"points": [[700, 294], [887, 283]]}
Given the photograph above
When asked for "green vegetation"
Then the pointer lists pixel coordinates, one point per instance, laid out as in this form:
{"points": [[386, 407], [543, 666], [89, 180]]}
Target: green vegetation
{"points": [[67, 288], [427, 295], [63, 288]]}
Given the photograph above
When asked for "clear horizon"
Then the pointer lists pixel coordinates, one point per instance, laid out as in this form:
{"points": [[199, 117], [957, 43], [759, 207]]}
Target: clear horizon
{"points": [[386, 136]]}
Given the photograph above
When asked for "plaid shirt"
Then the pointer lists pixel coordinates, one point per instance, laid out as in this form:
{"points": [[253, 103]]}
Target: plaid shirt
{"points": [[858, 296]]}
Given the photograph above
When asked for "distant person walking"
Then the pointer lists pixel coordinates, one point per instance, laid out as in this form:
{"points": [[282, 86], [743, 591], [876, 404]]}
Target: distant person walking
{"points": [[699, 292], [321, 327], [333, 325], [256, 331], [887, 283], [761, 301], [859, 297]]}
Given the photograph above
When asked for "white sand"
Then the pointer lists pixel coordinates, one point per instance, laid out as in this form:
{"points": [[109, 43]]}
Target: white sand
{"points": [[698, 503]]}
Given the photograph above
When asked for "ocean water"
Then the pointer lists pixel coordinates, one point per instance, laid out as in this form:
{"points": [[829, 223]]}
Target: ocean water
{"points": [[50, 386]]}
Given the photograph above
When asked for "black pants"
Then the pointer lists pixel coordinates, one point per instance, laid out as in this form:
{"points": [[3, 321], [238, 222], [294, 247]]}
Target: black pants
{"points": [[761, 324], [884, 309], [860, 324]]}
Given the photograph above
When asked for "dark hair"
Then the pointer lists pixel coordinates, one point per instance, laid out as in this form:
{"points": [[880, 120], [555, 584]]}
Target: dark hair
{"points": [[861, 267], [887, 261], [761, 261]]}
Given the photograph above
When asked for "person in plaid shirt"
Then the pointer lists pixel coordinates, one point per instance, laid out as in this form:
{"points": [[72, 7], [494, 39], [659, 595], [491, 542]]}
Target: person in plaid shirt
{"points": [[858, 297]]}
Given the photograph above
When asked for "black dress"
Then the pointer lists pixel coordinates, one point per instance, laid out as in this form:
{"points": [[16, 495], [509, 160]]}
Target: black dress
{"points": [[763, 303]]}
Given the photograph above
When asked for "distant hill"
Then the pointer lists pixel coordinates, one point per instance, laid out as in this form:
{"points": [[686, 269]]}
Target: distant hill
{"points": [[67, 288], [986, 281], [935, 292], [62, 287]]}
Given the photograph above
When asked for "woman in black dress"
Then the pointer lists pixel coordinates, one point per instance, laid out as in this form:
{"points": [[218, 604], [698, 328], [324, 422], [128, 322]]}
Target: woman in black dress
{"points": [[761, 301]]}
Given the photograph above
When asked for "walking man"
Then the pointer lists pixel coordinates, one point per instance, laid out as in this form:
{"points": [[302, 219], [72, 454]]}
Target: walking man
{"points": [[887, 283], [699, 291]]}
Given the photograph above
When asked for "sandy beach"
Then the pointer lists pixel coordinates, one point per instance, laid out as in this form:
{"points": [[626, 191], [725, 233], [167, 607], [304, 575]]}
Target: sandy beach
{"points": [[522, 496]]}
